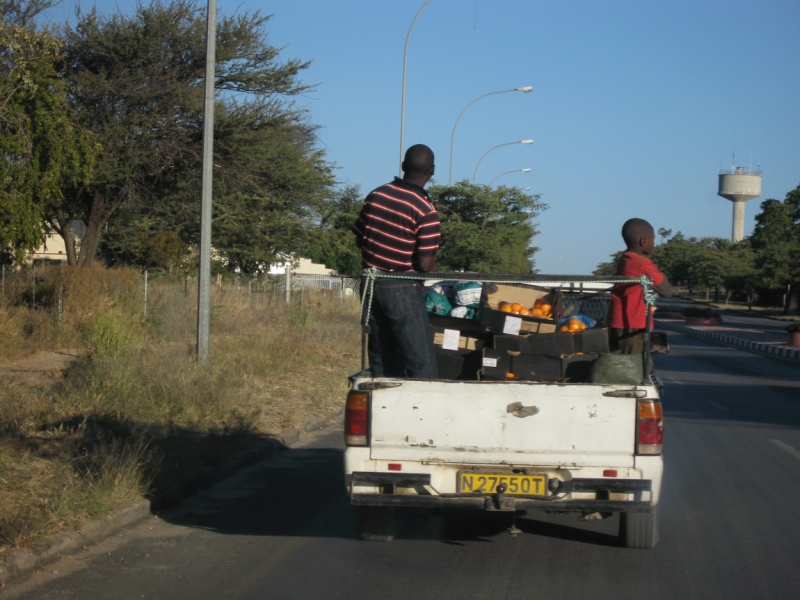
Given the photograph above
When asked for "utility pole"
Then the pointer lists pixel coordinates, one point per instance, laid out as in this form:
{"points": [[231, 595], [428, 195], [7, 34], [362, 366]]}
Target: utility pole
{"points": [[204, 279]]}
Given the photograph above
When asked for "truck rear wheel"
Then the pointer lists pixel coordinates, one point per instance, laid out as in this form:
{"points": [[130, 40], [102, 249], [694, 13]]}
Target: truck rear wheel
{"points": [[376, 523], [639, 530]]}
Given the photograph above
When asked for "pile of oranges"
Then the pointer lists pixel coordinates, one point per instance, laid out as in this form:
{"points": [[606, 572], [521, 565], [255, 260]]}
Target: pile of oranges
{"points": [[573, 325], [539, 309]]}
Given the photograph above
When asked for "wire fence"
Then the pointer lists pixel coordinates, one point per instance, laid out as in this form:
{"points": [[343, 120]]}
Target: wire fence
{"points": [[42, 288]]}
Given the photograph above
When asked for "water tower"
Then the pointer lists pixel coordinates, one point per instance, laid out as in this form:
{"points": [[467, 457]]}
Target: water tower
{"points": [[739, 185]]}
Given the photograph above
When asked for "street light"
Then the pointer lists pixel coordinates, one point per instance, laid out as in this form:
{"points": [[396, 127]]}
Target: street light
{"points": [[475, 172], [403, 101], [507, 172], [525, 89]]}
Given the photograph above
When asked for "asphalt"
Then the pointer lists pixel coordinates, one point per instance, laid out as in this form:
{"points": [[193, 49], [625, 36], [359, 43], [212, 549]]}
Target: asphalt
{"points": [[759, 335]]}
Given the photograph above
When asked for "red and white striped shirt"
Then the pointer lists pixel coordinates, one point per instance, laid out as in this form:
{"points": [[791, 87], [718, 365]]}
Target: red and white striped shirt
{"points": [[397, 225]]}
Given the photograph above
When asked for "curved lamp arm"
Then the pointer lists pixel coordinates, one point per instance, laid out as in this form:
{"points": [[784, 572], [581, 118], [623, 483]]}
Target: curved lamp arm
{"points": [[403, 101], [525, 89], [475, 172], [507, 172]]}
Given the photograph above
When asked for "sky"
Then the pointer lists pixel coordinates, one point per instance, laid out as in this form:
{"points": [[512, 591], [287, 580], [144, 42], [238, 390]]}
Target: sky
{"points": [[636, 104]]}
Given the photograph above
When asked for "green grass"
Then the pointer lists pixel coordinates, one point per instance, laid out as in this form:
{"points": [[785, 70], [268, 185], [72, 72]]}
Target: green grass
{"points": [[136, 413]]}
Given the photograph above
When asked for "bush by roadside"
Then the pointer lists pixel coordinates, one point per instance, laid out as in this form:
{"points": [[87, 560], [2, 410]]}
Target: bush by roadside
{"points": [[135, 413]]}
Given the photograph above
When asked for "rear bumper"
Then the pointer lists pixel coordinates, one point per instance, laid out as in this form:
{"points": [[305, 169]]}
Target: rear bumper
{"points": [[389, 482]]}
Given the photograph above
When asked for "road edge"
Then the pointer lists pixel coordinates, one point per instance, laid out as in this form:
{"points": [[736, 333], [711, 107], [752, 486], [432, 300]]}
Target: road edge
{"points": [[761, 348], [25, 560]]}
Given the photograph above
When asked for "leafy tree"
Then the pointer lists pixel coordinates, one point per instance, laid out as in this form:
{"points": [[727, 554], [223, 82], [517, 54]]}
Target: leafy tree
{"points": [[776, 243], [137, 82], [608, 269], [40, 143], [741, 276], [333, 242], [486, 229]]}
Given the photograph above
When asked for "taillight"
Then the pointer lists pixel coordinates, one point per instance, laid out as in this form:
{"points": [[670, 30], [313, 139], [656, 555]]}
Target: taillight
{"points": [[355, 419], [650, 428]]}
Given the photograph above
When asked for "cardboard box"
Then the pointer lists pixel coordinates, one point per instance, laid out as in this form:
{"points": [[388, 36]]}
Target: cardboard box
{"points": [[459, 367], [453, 341], [554, 344], [592, 341], [577, 367], [496, 321], [527, 367]]}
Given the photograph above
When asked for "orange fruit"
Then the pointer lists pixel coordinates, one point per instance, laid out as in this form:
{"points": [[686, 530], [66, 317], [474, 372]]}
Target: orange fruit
{"points": [[537, 312], [574, 324], [524, 312], [583, 326], [511, 375], [563, 328], [538, 303], [505, 307], [546, 308], [579, 354], [516, 307]]}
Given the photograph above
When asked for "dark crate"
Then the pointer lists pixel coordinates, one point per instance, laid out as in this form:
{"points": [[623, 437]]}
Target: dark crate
{"points": [[592, 341], [459, 368], [551, 344], [578, 367]]}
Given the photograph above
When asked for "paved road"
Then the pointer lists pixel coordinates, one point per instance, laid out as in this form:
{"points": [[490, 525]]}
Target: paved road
{"points": [[283, 528], [750, 326]]}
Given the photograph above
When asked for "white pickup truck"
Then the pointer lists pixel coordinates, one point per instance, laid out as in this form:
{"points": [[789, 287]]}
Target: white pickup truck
{"points": [[508, 445]]}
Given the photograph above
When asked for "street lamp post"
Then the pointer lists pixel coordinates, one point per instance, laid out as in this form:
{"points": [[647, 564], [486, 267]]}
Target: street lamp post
{"points": [[507, 172], [525, 89], [403, 101], [475, 172]]}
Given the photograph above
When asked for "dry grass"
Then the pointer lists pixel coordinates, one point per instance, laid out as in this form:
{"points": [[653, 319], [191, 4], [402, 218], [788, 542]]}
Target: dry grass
{"points": [[136, 413]]}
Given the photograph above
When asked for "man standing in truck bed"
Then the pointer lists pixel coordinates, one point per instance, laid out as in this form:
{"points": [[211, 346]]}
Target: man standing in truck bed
{"points": [[398, 231]]}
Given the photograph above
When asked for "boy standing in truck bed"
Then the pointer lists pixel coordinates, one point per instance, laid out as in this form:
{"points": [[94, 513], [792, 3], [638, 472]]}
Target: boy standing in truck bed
{"points": [[627, 314]]}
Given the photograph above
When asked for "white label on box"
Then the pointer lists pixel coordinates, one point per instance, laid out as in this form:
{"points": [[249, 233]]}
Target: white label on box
{"points": [[450, 341], [489, 362], [512, 325]]}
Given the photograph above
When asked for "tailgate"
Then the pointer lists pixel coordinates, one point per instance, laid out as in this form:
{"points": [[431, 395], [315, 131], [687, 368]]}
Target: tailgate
{"points": [[502, 423]]}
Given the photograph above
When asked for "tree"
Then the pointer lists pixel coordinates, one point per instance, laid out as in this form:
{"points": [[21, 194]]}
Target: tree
{"points": [[608, 269], [333, 242], [136, 81], [486, 229], [40, 143], [776, 243]]}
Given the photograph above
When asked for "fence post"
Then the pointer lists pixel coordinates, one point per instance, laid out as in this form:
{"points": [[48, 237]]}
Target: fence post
{"points": [[249, 291], [60, 314], [288, 282], [4, 283], [33, 299], [145, 292]]}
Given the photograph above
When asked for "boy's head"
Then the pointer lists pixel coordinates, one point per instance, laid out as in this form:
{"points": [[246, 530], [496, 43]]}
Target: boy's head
{"points": [[639, 236]]}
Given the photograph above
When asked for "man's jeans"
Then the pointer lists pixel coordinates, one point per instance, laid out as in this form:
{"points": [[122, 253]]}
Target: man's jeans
{"points": [[400, 339]]}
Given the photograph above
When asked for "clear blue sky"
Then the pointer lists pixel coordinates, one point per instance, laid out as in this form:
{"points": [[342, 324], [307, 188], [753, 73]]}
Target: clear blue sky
{"points": [[636, 104]]}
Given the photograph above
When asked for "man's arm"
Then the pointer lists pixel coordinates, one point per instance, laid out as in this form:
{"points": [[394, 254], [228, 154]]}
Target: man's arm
{"points": [[427, 264]]}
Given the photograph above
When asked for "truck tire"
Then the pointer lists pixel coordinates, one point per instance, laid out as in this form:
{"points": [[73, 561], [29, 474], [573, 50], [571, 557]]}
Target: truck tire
{"points": [[639, 530], [376, 523]]}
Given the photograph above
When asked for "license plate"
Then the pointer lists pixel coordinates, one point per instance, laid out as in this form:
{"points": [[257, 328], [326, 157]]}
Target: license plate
{"points": [[486, 483]]}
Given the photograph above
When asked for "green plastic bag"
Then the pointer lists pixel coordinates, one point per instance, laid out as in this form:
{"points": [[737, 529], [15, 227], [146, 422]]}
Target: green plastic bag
{"points": [[437, 303], [623, 369]]}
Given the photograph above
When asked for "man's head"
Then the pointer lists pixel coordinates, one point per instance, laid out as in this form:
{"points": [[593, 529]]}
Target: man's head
{"points": [[639, 236], [418, 165]]}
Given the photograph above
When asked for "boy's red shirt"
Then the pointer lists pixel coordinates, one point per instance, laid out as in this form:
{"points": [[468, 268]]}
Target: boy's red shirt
{"points": [[627, 309]]}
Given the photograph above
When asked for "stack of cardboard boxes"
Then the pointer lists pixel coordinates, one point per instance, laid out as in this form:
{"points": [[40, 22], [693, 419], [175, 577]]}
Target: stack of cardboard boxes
{"points": [[504, 346]]}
